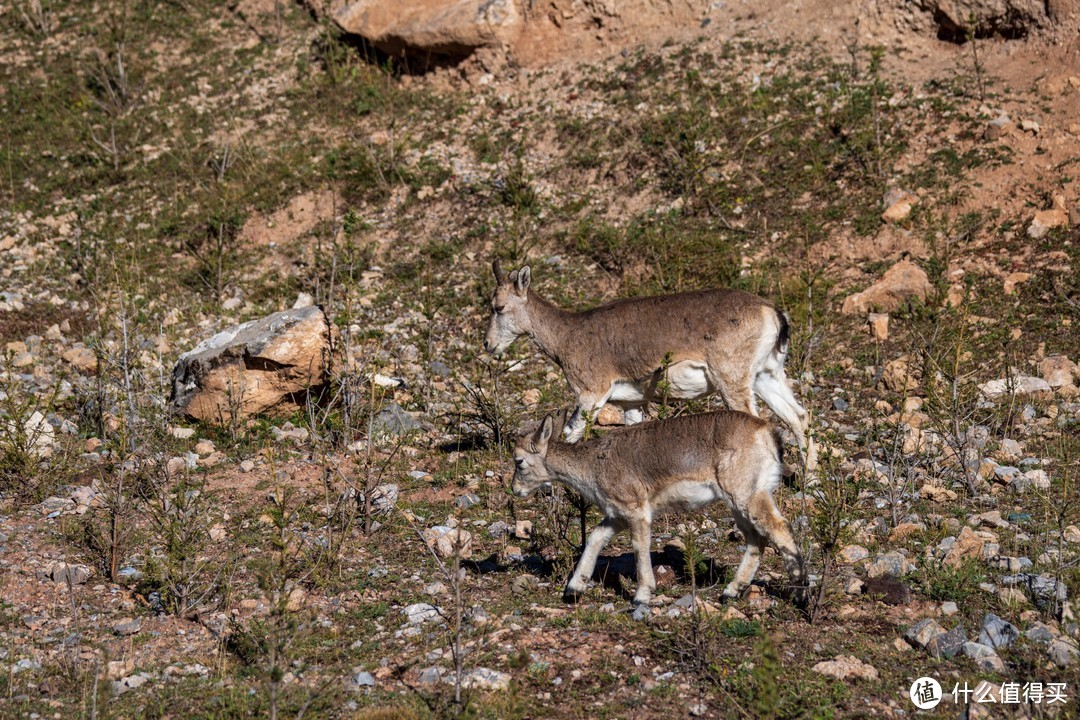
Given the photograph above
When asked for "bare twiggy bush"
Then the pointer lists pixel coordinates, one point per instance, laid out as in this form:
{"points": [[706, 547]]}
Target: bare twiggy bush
{"points": [[117, 97], [486, 407], [180, 567], [835, 503], [455, 575], [270, 642], [36, 16], [31, 463]]}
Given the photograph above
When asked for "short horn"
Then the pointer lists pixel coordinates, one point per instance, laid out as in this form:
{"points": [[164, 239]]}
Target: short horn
{"points": [[500, 274]]}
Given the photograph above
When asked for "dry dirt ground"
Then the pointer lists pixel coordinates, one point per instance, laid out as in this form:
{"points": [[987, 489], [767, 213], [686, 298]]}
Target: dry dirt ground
{"points": [[170, 169]]}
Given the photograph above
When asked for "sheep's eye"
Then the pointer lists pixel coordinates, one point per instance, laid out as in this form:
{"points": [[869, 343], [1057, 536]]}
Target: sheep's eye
{"points": [[519, 461], [498, 308]]}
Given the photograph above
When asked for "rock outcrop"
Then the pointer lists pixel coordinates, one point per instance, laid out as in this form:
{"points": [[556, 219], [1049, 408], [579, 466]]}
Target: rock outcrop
{"points": [[262, 366], [431, 31], [957, 20], [902, 282]]}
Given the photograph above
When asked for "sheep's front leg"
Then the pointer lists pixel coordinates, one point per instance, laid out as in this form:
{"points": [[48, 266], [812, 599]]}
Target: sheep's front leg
{"points": [[588, 405], [641, 540], [598, 538]]}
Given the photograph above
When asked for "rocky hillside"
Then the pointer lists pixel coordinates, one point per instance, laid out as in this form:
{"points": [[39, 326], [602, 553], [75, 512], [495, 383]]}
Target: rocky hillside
{"points": [[900, 177]]}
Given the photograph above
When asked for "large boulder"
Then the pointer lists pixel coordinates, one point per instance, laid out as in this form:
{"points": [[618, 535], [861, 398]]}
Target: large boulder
{"points": [[433, 31], [262, 366], [957, 20]]}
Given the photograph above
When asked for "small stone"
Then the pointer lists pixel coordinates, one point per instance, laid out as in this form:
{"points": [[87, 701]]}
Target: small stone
{"points": [[948, 608], [482, 678], [854, 587], [523, 584], [846, 667], [888, 564], [1063, 652], [839, 404], [967, 545], [75, 574], [921, 633], [990, 519], [976, 650], [420, 613], [477, 615], [128, 626], [610, 415], [1018, 384], [898, 211], [204, 447], [1010, 448], [1045, 221], [1040, 633], [905, 530], [530, 398], [937, 494], [947, 644], [247, 466], [996, 127], [116, 669], [182, 433], [1058, 371], [467, 501], [997, 633], [394, 421], [429, 676], [1029, 125], [498, 529], [82, 358], [1014, 279], [362, 678], [879, 326], [523, 529], [851, 554], [174, 466], [447, 541]]}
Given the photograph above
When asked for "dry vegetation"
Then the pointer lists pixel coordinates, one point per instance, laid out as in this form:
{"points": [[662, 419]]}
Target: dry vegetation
{"points": [[168, 169]]}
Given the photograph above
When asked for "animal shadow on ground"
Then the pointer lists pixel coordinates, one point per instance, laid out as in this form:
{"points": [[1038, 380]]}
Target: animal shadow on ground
{"points": [[619, 572]]}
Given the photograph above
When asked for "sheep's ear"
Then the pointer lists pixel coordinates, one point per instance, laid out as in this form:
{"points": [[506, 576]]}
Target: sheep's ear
{"points": [[524, 275], [500, 274], [543, 434], [559, 421]]}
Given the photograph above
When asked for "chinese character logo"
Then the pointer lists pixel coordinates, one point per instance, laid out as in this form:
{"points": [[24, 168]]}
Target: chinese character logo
{"points": [[925, 693]]}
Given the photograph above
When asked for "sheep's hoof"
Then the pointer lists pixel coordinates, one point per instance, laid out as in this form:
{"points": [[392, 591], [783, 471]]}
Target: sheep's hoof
{"points": [[800, 598], [640, 611], [571, 596]]}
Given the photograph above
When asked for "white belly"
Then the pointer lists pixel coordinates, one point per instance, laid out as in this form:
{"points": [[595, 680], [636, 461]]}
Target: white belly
{"points": [[684, 495], [625, 391], [685, 381]]}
